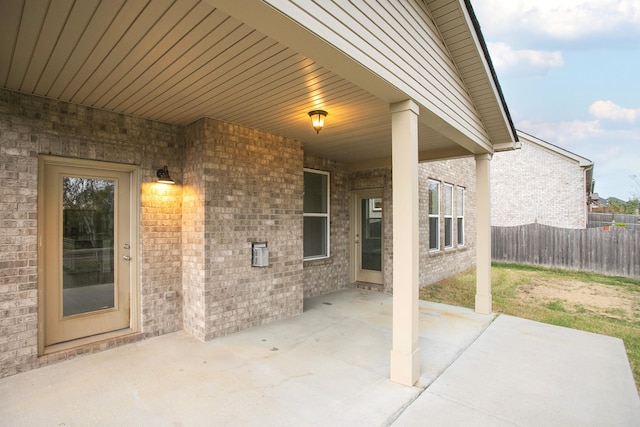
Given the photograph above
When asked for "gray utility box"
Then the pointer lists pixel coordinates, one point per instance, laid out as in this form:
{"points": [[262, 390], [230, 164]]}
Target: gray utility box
{"points": [[260, 257]]}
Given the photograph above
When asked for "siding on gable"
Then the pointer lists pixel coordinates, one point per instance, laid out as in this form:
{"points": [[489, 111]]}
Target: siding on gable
{"points": [[398, 42]]}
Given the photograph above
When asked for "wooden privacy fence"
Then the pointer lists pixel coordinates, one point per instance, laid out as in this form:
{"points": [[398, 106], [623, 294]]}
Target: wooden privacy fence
{"points": [[613, 251], [597, 219]]}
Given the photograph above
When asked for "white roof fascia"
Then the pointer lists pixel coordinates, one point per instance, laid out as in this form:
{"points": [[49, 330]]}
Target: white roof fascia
{"points": [[474, 29]]}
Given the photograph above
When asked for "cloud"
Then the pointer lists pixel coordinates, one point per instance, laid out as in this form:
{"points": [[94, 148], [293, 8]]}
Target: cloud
{"points": [[564, 132], [607, 110], [524, 61], [613, 168], [560, 20]]}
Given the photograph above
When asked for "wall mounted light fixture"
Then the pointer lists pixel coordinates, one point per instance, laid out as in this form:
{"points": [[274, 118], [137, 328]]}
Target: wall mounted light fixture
{"points": [[163, 176], [317, 119]]}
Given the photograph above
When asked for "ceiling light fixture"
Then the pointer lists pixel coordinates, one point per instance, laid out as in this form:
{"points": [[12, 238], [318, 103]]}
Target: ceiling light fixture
{"points": [[317, 119]]}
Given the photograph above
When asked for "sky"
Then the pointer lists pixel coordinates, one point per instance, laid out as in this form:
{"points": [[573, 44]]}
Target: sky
{"points": [[570, 73]]}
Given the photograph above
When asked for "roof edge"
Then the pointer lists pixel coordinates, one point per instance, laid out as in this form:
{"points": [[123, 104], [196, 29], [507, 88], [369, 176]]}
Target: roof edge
{"points": [[582, 161], [494, 76]]}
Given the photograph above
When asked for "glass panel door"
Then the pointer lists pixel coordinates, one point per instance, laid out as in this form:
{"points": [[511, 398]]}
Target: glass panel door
{"points": [[369, 230], [86, 250], [371, 234], [87, 244]]}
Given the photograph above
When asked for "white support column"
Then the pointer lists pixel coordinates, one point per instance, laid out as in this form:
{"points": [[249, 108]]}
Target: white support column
{"points": [[405, 358], [483, 230]]}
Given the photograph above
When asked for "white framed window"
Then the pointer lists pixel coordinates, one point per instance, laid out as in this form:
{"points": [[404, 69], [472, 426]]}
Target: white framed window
{"points": [[448, 215], [434, 215], [316, 214], [460, 216]]}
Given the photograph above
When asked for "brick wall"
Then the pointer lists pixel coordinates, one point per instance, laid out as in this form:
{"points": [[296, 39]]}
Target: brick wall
{"points": [[326, 275], [18, 239], [30, 126], [434, 265], [253, 184], [193, 232], [440, 264], [161, 257], [535, 185]]}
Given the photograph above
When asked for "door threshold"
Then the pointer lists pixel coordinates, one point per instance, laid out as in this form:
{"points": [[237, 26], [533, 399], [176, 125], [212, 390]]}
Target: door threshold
{"points": [[88, 341], [379, 287]]}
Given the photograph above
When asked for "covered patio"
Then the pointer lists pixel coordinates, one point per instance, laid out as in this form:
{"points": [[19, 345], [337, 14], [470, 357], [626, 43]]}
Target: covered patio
{"points": [[329, 366], [220, 92]]}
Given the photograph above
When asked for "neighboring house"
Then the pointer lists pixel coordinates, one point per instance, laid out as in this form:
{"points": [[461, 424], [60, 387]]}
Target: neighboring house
{"points": [[597, 204], [97, 98], [540, 183]]}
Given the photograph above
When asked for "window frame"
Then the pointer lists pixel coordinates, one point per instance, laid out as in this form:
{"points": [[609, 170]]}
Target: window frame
{"points": [[460, 196], [435, 215], [326, 215], [447, 213]]}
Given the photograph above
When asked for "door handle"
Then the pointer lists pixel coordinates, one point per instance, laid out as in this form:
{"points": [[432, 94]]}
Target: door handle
{"points": [[126, 258]]}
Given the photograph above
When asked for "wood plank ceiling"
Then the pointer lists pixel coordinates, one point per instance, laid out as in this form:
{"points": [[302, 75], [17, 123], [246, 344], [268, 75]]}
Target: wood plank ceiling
{"points": [[178, 61]]}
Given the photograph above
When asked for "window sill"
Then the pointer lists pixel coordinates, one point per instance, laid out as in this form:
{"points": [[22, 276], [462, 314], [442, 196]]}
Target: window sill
{"points": [[441, 252], [316, 261]]}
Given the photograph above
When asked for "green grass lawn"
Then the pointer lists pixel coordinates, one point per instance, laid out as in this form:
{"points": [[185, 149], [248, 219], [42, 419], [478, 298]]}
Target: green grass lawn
{"points": [[579, 300]]}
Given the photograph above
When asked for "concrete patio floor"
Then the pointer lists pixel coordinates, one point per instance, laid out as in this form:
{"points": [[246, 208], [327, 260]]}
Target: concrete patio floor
{"points": [[330, 366]]}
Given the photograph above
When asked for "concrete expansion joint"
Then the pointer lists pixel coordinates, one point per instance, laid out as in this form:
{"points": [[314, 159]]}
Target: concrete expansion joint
{"points": [[462, 350], [423, 387], [394, 417]]}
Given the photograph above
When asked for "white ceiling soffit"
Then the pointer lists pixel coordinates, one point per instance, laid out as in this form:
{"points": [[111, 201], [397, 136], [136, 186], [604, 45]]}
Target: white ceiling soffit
{"points": [[179, 61]]}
